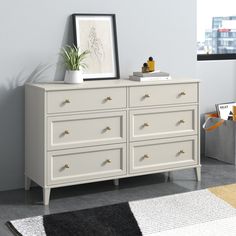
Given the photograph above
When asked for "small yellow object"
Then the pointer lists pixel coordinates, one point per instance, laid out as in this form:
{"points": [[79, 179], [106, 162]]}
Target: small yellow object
{"points": [[234, 113], [151, 64]]}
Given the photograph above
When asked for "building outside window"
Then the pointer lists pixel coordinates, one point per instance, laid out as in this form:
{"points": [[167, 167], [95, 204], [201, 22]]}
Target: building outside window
{"points": [[216, 29]]}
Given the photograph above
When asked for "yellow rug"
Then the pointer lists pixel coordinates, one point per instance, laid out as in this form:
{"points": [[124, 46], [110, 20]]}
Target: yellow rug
{"points": [[226, 193]]}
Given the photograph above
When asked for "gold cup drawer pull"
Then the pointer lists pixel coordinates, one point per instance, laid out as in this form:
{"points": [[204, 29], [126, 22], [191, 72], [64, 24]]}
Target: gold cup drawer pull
{"points": [[66, 166], [182, 93], [108, 128], [67, 101], [181, 152], [146, 156], [108, 161], [147, 96], [145, 124], [66, 132], [108, 98], [181, 121]]}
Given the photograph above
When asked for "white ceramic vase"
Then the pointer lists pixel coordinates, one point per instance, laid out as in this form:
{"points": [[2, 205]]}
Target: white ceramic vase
{"points": [[74, 77]]}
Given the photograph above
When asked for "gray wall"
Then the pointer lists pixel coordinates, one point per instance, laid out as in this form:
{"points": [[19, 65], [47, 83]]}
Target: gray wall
{"points": [[32, 32]]}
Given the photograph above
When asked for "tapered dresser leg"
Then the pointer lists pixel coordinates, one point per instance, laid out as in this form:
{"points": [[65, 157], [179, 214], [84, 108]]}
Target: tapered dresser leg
{"points": [[27, 183], [198, 173], [169, 175], [46, 195], [116, 182]]}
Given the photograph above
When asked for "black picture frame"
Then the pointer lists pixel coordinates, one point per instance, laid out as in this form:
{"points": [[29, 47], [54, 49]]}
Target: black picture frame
{"points": [[98, 34]]}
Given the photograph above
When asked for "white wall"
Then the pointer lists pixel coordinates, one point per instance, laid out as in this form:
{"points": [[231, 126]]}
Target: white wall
{"points": [[218, 85], [32, 33], [218, 82]]}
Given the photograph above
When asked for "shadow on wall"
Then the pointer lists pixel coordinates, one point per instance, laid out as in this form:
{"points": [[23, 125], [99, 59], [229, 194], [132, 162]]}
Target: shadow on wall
{"points": [[66, 40], [12, 126], [12, 114]]}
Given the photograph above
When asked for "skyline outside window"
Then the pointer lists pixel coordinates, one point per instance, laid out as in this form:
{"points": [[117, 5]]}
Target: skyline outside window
{"points": [[216, 29]]}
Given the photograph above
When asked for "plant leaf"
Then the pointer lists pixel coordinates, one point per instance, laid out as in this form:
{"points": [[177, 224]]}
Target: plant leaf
{"points": [[73, 58]]}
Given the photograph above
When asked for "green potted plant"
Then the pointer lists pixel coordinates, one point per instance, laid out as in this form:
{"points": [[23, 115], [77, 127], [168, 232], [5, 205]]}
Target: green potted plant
{"points": [[74, 62]]}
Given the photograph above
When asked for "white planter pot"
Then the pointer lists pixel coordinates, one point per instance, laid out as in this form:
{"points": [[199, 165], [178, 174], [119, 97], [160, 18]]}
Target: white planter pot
{"points": [[73, 77]]}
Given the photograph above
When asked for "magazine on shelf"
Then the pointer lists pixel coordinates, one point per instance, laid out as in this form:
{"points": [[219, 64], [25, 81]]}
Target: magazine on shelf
{"points": [[225, 110]]}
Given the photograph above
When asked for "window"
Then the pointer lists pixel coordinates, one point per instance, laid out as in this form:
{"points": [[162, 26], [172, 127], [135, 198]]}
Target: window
{"points": [[216, 29]]}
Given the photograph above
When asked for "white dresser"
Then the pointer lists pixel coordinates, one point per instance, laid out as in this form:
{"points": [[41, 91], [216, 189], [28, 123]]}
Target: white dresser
{"points": [[102, 130]]}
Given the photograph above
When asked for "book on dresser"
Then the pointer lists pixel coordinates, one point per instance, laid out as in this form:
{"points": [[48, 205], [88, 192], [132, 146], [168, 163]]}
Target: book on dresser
{"points": [[150, 76], [137, 78]]}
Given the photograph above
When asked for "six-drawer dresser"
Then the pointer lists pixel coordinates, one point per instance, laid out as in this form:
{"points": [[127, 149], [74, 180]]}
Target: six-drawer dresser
{"points": [[111, 129]]}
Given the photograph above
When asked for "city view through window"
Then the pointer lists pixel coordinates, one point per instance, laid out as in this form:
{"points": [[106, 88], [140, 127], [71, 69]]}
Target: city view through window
{"points": [[216, 27]]}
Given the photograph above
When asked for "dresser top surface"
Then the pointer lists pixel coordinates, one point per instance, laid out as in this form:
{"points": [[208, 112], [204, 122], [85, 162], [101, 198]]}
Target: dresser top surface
{"points": [[60, 85]]}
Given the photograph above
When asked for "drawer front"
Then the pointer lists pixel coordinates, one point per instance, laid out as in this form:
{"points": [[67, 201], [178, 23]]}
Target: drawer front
{"points": [[86, 100], [163, 123], [163, 94], [86, 130], [163, 154], [86, 164]]}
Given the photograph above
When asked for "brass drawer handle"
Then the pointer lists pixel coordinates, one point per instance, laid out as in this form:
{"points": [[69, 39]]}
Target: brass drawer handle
{"points": [[108, 128], [146, 156], [145, 125], [66, 166], [182, 121], [182, 94], [67, 101], [181, 152], [108, 98], [66, 132], [147, 96], [108, 161]]}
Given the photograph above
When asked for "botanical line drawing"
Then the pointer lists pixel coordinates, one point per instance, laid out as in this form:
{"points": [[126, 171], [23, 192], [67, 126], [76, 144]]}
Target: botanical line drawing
{"points": [[95, 45]]}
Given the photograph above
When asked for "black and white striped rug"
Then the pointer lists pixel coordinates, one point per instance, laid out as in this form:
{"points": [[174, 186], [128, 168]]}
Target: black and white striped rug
{"points": [[194, 213]]}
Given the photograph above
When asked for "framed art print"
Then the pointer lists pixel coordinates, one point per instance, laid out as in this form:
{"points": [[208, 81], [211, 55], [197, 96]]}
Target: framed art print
{"points": [[97, 33]]}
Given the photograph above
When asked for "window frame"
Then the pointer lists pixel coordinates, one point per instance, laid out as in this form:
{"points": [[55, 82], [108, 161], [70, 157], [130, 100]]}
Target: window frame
{"points": [[218, 56], [208, 57]]}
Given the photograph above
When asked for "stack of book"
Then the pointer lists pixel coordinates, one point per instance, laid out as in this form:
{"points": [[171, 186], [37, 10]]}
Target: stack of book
{"points": [[150, 76]]}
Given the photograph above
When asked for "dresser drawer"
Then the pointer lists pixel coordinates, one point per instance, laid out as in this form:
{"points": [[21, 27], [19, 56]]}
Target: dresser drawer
{"points": [[86, 130], [86, 100], [163, 154], [86, 164], [156, 95], [163, 122]]}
